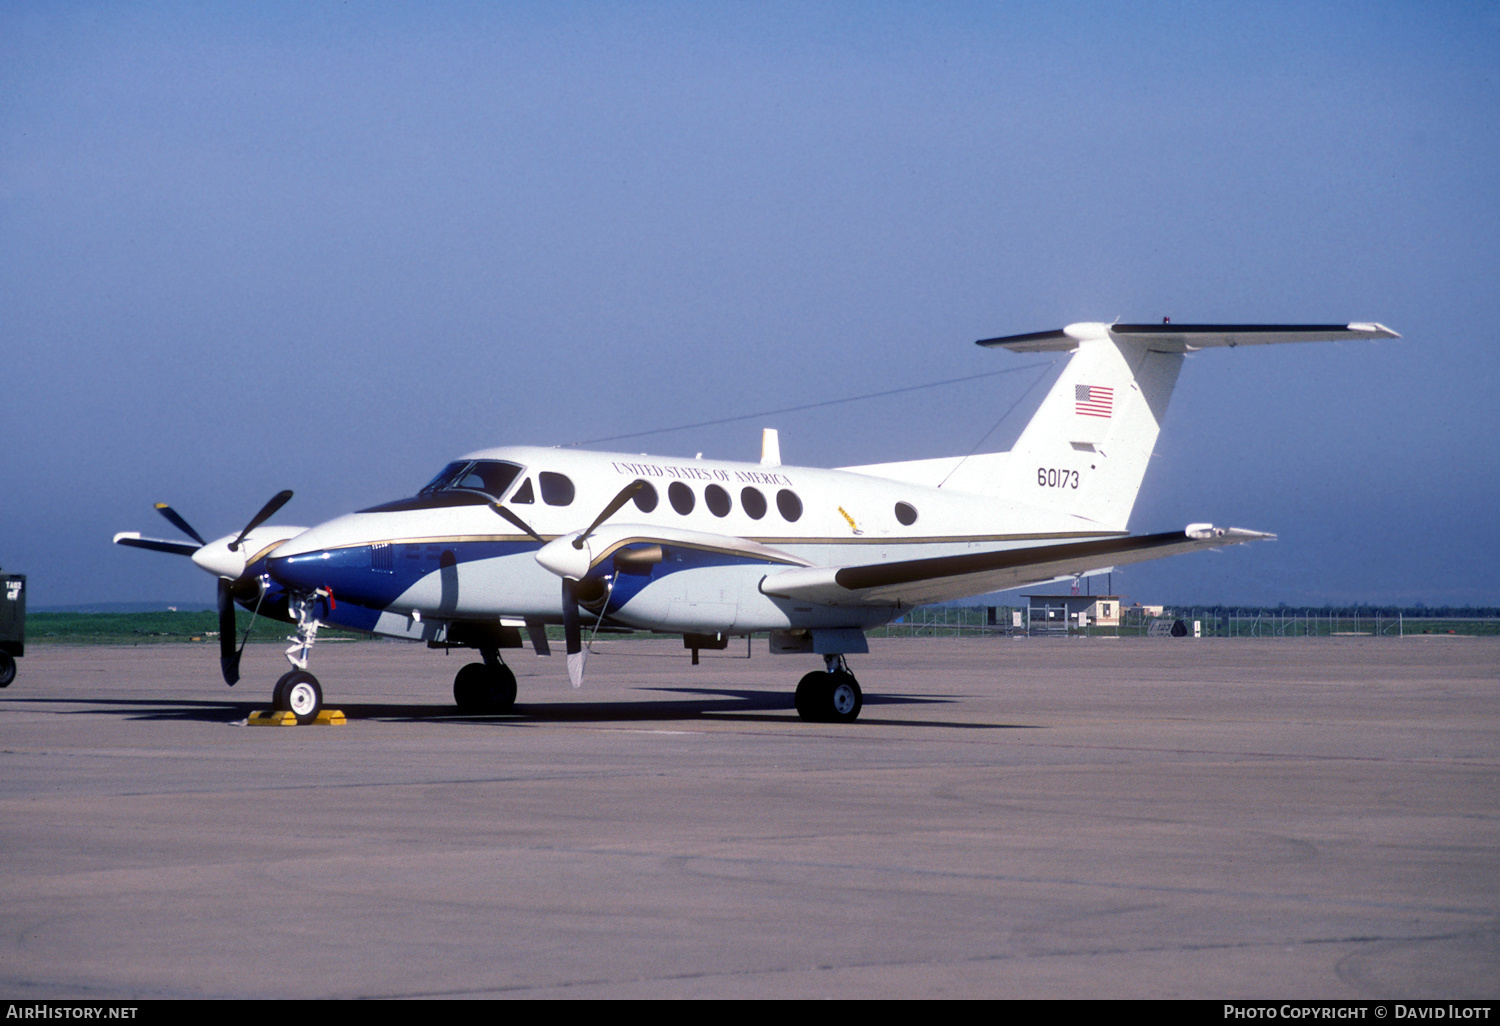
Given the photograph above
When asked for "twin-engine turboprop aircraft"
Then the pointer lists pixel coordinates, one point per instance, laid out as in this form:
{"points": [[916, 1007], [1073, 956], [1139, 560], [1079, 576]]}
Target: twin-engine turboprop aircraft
{"points": [[505, 541]]}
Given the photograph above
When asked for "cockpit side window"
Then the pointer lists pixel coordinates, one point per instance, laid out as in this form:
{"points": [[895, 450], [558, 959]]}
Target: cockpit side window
{"points": [[557, 489]]}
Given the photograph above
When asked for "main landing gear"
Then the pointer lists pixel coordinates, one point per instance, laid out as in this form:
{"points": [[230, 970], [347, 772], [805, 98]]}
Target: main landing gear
{"points": [[486, 688], [831, 695]]}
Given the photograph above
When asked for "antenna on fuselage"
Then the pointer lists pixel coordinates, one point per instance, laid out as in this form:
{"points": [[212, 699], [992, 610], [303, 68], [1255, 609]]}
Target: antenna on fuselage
{"points": [[770, 448]]}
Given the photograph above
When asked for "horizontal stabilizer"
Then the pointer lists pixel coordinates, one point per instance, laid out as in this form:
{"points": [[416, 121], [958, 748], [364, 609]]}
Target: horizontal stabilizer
{"points": [[941, 578], [1185, 338]]}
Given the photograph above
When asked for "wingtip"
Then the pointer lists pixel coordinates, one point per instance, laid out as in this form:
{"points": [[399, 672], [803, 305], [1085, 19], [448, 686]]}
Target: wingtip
{"points": [[1373, 328], [1226, 535]]}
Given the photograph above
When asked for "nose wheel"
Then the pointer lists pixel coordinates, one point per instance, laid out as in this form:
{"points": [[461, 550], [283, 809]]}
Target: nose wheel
{"points": [[299, 693]]}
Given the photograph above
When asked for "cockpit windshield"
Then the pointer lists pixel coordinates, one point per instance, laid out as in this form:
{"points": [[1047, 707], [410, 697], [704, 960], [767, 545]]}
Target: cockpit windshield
{"points": [[491, 477]]}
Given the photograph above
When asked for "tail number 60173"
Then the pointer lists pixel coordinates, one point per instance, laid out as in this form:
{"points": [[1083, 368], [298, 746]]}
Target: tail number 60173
{"points": [[1056, 477]]}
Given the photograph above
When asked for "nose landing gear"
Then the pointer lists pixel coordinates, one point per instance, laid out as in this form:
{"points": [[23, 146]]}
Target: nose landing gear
{"points": [[299, 693]]}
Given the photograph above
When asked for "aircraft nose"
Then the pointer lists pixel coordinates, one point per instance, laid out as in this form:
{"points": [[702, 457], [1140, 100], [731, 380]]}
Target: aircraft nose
{"points": [[350, 572], [305, 562], [304, 571]]}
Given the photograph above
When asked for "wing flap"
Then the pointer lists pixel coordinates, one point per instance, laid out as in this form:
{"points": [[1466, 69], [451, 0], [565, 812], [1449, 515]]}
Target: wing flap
{"points": [[942, 578]]}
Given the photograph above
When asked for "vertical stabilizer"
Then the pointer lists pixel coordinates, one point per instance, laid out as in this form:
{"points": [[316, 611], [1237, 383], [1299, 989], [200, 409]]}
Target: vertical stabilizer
{"points": [[1085, 451], [1084, 454]]}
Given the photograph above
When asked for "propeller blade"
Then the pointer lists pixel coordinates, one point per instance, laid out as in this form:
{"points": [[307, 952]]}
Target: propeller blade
{"points": [[134, 539], [626, 494], [278, 500], [508, 515], [179, 523], [573, 635], [229, 657]]}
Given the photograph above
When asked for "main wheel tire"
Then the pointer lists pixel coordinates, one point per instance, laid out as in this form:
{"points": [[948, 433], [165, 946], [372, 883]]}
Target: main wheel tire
{"points": [[845, 699], [299, 693], [484, 690], [824, 697], [7, 668], [809, 692], [503, 697]]}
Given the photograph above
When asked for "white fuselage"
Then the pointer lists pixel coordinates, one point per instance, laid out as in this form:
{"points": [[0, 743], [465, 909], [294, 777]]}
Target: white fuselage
{"points": [[467, 562]]}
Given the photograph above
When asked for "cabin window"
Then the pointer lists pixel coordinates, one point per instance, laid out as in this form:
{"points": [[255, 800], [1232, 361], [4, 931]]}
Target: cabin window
{"points": [[906, 513], [681, 497], [717, 500], [524, 494], [789, 504], [646, 498], [753, 503], [557, 489]]}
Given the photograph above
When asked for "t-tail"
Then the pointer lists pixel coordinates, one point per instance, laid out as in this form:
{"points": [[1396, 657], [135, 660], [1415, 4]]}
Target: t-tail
{"points": [[1084, 453]]}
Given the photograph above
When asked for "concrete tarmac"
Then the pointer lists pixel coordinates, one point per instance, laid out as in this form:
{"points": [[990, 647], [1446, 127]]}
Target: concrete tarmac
{"points": [[1010, 818]]}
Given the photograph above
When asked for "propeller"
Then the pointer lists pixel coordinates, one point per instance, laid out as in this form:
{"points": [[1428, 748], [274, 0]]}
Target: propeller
{"points": [[573, 634], [523, 525], [278, 500], [229, 654], [572, 628], [181, 524], [626, 494]]}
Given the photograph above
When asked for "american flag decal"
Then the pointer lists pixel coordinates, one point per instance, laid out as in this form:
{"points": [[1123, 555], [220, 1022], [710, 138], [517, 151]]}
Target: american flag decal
{"points": [[1093, 401]]}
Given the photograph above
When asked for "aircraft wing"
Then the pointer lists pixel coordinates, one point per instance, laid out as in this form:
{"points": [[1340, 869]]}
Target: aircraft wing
{"points": [[943, 578]]}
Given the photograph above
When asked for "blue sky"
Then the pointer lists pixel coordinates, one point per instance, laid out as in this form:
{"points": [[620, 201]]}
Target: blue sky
{"points": [[327, 247]]}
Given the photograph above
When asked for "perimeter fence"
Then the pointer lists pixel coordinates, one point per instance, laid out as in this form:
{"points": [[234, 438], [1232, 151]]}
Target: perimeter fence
{"points": [[972, 621]]}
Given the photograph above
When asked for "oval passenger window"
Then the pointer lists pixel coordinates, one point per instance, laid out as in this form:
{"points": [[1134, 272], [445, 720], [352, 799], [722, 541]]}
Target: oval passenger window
{"points": [[646, 499], [753, 503], [717, 500], [789, 504]]}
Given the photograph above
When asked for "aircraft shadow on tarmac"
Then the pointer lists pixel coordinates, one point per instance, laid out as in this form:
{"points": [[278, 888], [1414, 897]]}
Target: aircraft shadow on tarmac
{"points": [[694, 703]]}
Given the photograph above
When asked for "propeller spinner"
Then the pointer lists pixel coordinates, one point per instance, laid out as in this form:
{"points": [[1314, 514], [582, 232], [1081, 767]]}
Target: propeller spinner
{"points": [[570, 559], [221, 558]]}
